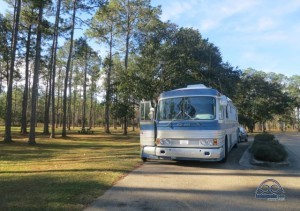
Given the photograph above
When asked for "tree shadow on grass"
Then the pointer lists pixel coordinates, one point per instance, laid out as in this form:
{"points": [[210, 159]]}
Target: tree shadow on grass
{"points": [[45, 192]]}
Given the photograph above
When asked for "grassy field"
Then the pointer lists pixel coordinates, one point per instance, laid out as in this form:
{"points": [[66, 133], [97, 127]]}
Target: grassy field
{"points": [[63, 174]]}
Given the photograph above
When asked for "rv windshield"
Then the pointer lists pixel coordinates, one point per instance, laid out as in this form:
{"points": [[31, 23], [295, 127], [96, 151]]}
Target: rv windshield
{"points": [[186, 108]]}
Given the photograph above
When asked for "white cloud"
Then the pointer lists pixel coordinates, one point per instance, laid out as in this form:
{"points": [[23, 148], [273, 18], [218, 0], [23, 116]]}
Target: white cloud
{"points": [[175, 9], [265, 23], [232, 7], [218, 12]]}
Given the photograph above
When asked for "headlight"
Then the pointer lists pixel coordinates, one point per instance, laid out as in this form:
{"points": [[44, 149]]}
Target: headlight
{"points": [[209, 142], [163, 141]]}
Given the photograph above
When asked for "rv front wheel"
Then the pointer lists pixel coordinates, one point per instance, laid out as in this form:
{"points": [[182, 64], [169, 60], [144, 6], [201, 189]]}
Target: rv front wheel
{"points": [[225, 152]]}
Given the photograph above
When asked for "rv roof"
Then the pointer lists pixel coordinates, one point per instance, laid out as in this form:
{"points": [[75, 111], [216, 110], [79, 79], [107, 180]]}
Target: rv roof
{"points": [[191, 90], [197, 86]]}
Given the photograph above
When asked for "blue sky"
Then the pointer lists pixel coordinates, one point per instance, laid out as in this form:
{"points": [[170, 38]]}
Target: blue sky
{"points": [[262, 34]]}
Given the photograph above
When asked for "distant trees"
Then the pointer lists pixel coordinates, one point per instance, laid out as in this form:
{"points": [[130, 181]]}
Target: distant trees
{"points": [[293, 88], [260, 99], [104, 28]]}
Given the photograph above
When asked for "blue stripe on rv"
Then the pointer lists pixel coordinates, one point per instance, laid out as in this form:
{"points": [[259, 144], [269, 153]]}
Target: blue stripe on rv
{"points": [[217, 127], [147, 126], [188, 125]]}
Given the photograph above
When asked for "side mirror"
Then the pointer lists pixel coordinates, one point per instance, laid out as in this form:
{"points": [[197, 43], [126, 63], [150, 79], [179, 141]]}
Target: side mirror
{"points": [[223, 100]]}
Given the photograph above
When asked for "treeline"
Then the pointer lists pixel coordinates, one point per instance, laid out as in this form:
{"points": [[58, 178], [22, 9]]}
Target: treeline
{"points": [[52, 76], [268, 100]]}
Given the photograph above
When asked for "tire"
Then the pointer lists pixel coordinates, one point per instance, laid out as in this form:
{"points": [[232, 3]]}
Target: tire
{"points": [[226, 152], [144, 159], [236, 145]]}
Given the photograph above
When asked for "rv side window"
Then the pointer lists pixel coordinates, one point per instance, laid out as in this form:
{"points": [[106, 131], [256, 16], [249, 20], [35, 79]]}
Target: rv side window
{"points": [[145, 110], [221, 109]]}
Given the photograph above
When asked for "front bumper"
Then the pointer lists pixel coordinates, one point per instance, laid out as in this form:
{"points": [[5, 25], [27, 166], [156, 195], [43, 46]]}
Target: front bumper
{"points": [[201, 154]]}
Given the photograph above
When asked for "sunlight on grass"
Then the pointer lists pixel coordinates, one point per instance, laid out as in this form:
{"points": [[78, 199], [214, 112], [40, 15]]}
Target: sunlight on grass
{"points": [[63, 174]]}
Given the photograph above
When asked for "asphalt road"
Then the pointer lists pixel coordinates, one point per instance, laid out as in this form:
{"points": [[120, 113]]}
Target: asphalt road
{"points": [[170, 185]]}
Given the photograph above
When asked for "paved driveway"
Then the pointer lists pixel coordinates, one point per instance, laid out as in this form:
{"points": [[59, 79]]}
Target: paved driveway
{"points": [[291, 142], [170, 185]]}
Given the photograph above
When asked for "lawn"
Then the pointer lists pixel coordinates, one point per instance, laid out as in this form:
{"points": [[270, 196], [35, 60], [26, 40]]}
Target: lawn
{"points": [[63, 174]]}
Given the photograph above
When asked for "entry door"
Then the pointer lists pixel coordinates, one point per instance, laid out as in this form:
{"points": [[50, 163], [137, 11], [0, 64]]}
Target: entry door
{"points": [[147, 129]]}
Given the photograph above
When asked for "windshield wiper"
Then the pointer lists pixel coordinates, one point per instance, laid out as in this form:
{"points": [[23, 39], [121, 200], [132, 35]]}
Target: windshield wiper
{"points": [[174, 118], [188, 115]]}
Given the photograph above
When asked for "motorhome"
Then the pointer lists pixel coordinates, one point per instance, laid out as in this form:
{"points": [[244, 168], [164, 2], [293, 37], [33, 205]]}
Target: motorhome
{"points": [[192, 123]]}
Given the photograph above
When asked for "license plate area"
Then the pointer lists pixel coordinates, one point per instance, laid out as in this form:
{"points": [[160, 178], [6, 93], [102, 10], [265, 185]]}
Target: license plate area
{"points": [[184, 142]]}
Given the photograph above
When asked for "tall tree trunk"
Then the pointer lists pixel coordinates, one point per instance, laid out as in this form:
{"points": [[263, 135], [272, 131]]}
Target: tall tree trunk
{"points": [[53, 69], [58, 101], [50, 81], [126, 65], [37, 108], [7, 136], [60, 120], [36, 76], [74, 107], [108, 81], [47, 105], [84, 89], [15, 106], [70, 99], [26, 87], [95, 114], [64, 132], [91, 109]]}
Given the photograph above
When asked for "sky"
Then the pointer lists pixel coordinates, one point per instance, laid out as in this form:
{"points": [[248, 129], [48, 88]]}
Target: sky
{"points": [[261, 34]]}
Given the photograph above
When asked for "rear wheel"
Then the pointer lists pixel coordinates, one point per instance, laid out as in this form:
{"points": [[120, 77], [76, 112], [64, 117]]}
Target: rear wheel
{"points": [[144, 159]]}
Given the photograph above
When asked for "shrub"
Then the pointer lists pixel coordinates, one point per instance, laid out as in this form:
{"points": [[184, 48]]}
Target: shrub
{"points": [[264, 137], [266, 148]]}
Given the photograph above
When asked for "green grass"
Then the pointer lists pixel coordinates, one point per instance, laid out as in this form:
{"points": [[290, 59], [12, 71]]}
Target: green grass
{"points": [[63, 174], [266, 148]]}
